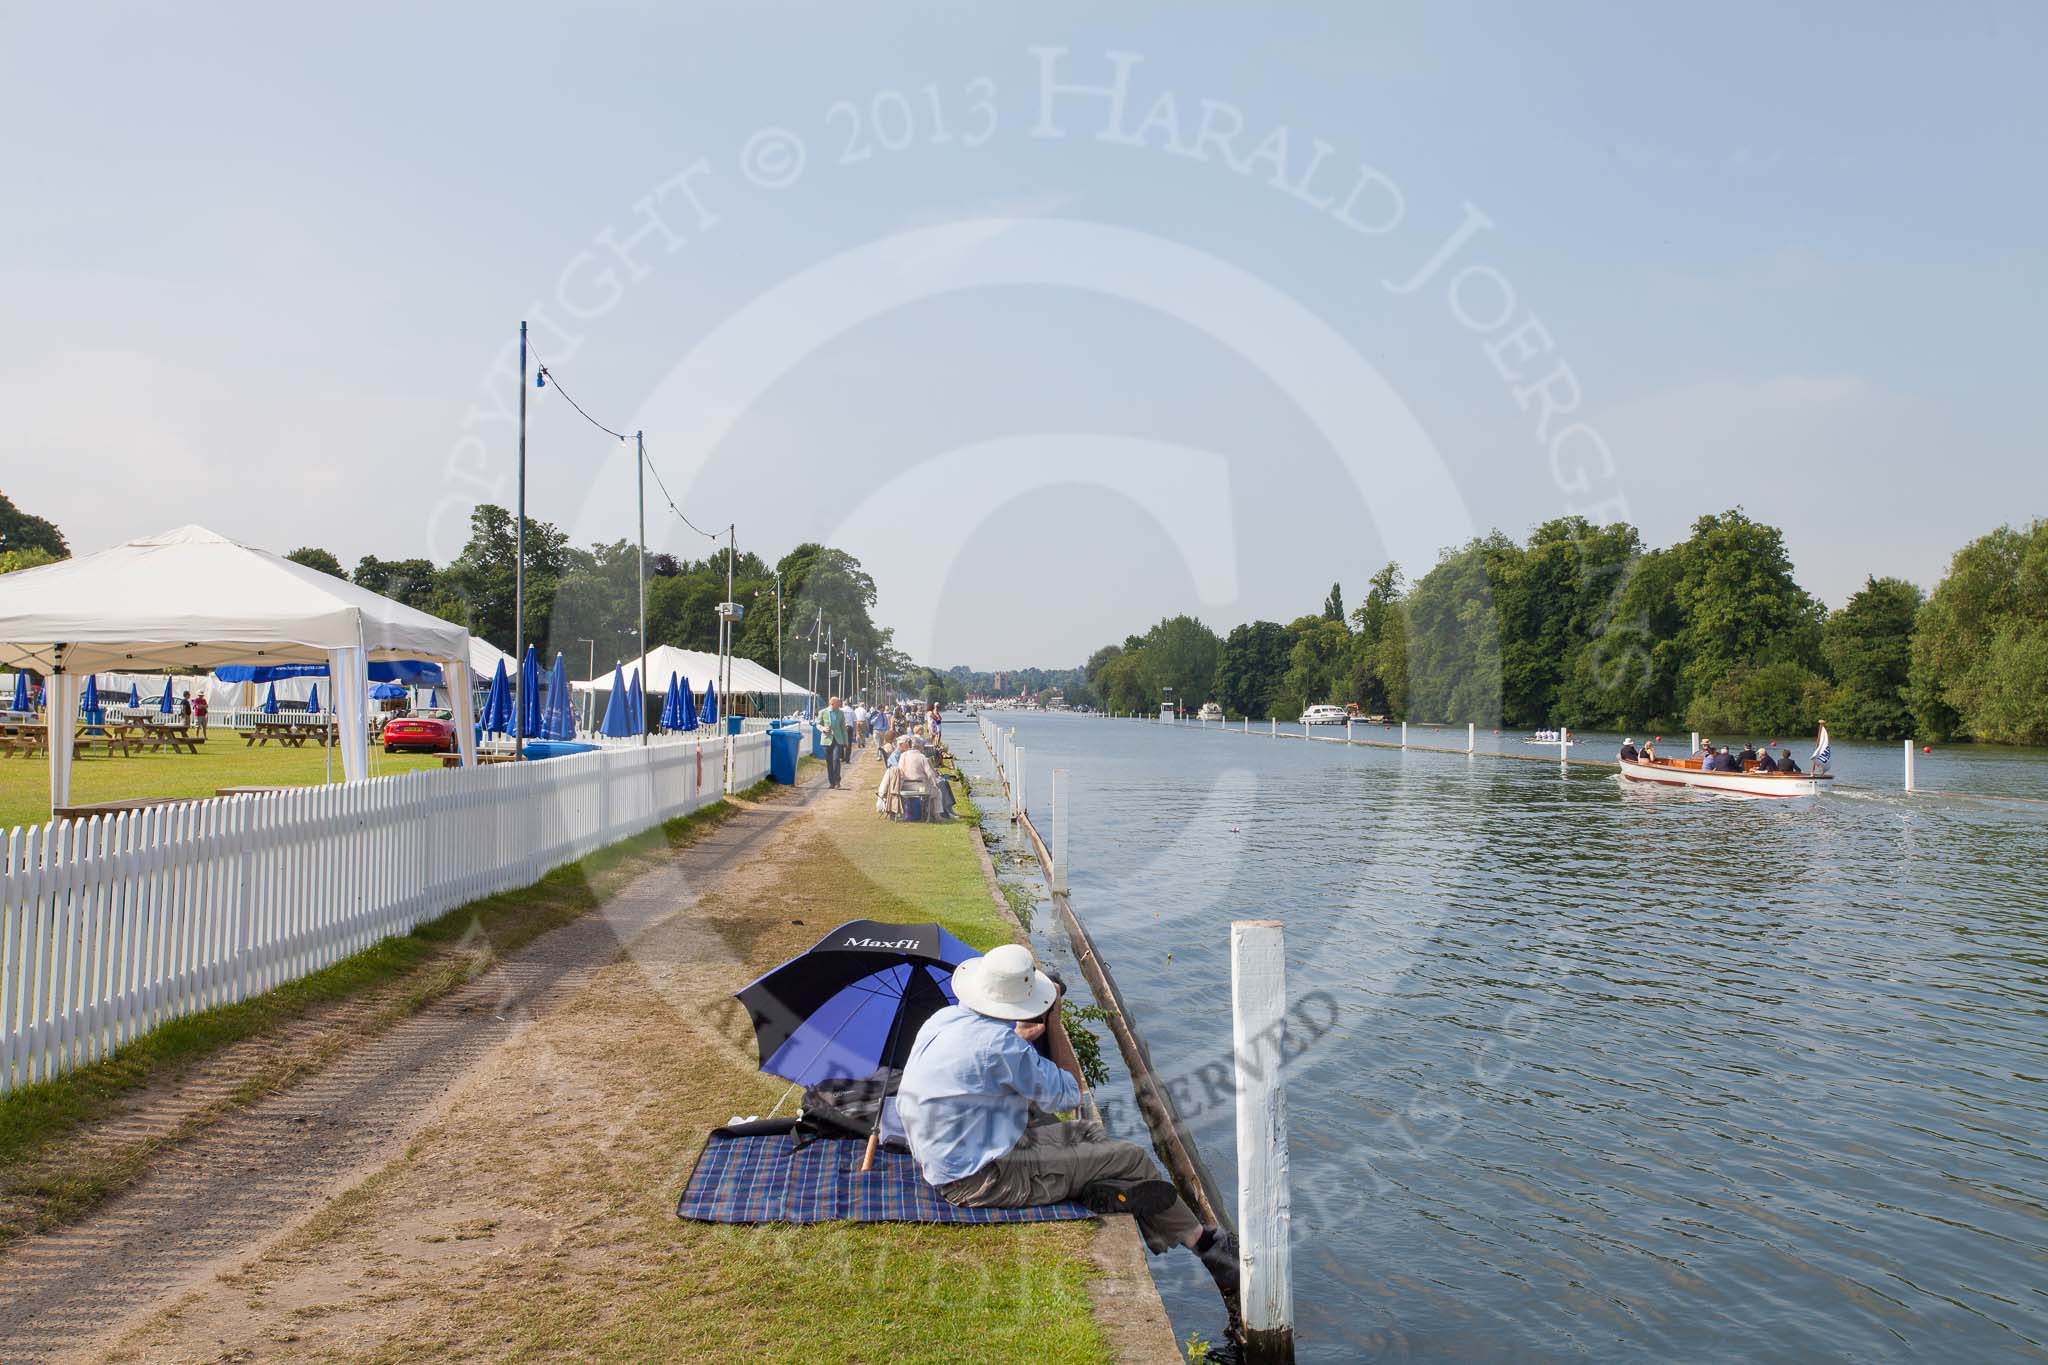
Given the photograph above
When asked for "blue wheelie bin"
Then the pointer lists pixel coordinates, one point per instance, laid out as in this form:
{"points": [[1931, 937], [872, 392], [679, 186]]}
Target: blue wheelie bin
{"points": [[783, 747]]}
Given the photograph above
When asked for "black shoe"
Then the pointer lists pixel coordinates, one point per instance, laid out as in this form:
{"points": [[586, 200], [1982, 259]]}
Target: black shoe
{"points": [[1135, 1197], [1220, 1260]]}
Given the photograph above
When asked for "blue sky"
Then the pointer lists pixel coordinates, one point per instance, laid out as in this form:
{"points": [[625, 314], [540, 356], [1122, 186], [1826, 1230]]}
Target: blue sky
{"points": [[262, 266]]}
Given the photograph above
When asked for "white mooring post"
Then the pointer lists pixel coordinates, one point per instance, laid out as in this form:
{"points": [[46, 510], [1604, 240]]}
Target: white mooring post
{"points": [[1258, 1014], [1275, 724], [1404, 734], [1909, 765], [1059, 830], [1695, 741], [1017, 806], [1247, 724], [1347, 730], [1471, 737]]}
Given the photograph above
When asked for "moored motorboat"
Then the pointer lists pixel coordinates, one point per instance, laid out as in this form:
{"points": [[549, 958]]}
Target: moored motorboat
{"points": [[1685, 772]]}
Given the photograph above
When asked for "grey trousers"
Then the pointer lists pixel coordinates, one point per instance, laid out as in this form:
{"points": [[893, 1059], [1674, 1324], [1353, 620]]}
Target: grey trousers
{"points": [[1055, 1161]]}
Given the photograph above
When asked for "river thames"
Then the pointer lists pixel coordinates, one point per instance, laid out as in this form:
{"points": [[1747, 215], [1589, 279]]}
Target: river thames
{"points": [[1617, 1073]]}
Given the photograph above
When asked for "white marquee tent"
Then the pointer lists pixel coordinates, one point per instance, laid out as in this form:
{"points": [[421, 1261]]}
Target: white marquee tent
{"points": [[191, 598], [700, 668]]}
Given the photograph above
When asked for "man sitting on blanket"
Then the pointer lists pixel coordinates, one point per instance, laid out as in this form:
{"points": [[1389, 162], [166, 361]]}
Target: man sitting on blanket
{"points": [[977, 1101]]}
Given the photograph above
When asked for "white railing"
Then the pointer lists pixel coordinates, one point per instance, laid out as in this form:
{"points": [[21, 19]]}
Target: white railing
{"points": [[110, 927]]}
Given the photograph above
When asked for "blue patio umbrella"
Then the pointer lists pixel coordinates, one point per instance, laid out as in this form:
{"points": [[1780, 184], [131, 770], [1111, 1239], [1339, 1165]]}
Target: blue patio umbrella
{"points": [[615, 722], [270, 701], [497, 713], [385, 691], [559, 722], [709, 715], [21, 697], [529, 694], [163, 703], [686, 709], [91, 699], [313, 698], [134, 696], [849, 1007], [671, 717], [433, 699], [636, 702]]}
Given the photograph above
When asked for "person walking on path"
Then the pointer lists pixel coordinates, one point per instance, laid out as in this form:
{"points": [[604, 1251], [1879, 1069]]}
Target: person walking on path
{"points": [[832, 720]]}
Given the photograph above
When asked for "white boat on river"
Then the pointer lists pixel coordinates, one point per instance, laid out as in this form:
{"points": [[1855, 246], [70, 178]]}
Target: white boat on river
{"points": [[1685, 772]]}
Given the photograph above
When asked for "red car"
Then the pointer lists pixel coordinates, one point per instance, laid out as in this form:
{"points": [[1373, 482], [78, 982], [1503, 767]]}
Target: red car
{"points": [[430, 733]]}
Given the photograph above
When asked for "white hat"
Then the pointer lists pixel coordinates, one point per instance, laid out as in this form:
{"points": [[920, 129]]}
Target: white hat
{"points": [[1004, 984], [1630, 740]]}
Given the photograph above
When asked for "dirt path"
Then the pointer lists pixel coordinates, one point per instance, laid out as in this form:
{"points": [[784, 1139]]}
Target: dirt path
{"points": [[210, 1203]]}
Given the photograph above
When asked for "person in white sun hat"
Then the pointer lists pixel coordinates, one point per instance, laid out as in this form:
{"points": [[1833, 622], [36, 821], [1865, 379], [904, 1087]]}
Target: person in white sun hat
{"points": [[977, 1101]]}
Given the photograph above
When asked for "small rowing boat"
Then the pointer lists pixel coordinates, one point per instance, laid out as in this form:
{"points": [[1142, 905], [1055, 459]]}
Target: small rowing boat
{"points": [[1685, 772]]}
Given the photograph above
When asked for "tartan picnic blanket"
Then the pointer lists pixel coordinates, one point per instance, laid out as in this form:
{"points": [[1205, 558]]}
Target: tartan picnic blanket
{"points": [[760, 1179]]}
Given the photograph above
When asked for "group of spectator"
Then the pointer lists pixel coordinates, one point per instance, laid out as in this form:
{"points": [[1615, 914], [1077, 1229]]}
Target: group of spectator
{"points": [[910, 742]]}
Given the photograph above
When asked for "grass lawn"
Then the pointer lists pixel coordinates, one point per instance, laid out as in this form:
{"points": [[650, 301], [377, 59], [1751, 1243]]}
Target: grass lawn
{"points": [[223, 761]]}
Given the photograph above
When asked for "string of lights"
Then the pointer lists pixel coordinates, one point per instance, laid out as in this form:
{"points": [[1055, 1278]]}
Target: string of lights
{"points": [[540, 381]]}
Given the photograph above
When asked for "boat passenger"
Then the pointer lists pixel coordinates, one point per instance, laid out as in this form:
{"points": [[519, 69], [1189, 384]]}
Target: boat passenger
{"points": [[1628, 750], [1785, 763], [1649, 754], [1765, 763], [1748, 754]]}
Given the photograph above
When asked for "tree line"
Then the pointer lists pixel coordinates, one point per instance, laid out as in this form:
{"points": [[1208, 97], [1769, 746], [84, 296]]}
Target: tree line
{"points": [[1584, 626], [583, 602]]}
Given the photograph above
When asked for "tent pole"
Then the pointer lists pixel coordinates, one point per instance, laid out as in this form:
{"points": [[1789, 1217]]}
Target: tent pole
{"points": [[640, 480], [519, 565]]}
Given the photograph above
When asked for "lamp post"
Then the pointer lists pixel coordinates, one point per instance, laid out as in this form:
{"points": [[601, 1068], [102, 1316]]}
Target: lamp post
{"points": [[781, 708], [519, 562]]}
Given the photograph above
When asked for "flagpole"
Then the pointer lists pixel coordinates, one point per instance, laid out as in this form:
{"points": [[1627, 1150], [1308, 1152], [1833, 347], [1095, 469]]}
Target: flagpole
{"points": [[640, 480], [519, 567]]}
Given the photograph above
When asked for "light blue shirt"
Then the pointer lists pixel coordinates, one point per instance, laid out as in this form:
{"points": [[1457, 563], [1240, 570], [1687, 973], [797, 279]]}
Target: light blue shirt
{"points": [[968, 1089]]}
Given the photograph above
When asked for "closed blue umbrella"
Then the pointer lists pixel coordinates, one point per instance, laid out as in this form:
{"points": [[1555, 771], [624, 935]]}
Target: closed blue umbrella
{"points": [[91, 701], [163, 703], [21, 697], [709, 716], [559, 722], [134, 696], [313, 698], [270, 701], [433, 699], [686, 709], [671, 718], [615, 722], [636, 701], [497, 714], [529, 694]]}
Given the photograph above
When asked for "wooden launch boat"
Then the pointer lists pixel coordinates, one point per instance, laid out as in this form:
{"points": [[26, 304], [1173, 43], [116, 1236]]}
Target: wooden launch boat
{"points": [[1685, 772]]}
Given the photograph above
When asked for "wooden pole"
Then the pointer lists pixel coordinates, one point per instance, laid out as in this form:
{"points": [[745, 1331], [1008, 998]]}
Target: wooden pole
{"points": [[1258, 1011], [1060, 825]]}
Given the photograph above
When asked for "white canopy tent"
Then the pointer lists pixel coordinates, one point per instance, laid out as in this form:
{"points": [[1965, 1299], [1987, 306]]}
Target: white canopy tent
{"points": [[700, 669], [191, 598]]}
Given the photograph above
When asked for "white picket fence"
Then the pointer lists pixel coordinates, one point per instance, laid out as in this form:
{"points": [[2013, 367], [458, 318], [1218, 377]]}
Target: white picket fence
{"points": [[110, 927]]}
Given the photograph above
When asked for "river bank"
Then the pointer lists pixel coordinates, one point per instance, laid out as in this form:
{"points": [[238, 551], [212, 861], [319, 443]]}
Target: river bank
{"points": [[496, 1179]]}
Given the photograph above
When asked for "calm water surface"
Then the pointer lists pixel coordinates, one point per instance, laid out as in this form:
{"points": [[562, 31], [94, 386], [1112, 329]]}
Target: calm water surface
{"points": [[1616, 1073]]}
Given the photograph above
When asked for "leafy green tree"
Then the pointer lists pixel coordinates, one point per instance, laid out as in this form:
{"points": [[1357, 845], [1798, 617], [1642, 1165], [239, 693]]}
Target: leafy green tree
{"points": [[1333, 605], [21, 531], [313, 557], [1180, 653], [1627, 674], [415, 582], [1980, 644], [1761, 702], [35, 558], [1454, 652], [1869, 649], [1739, 602], [1319, 662], [1249, 667], [481, 579]]}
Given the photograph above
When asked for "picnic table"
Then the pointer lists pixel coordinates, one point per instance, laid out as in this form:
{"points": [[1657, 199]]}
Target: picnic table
{"points": [[292, 733], [112, 808], [176, 736], [28, 738]]}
